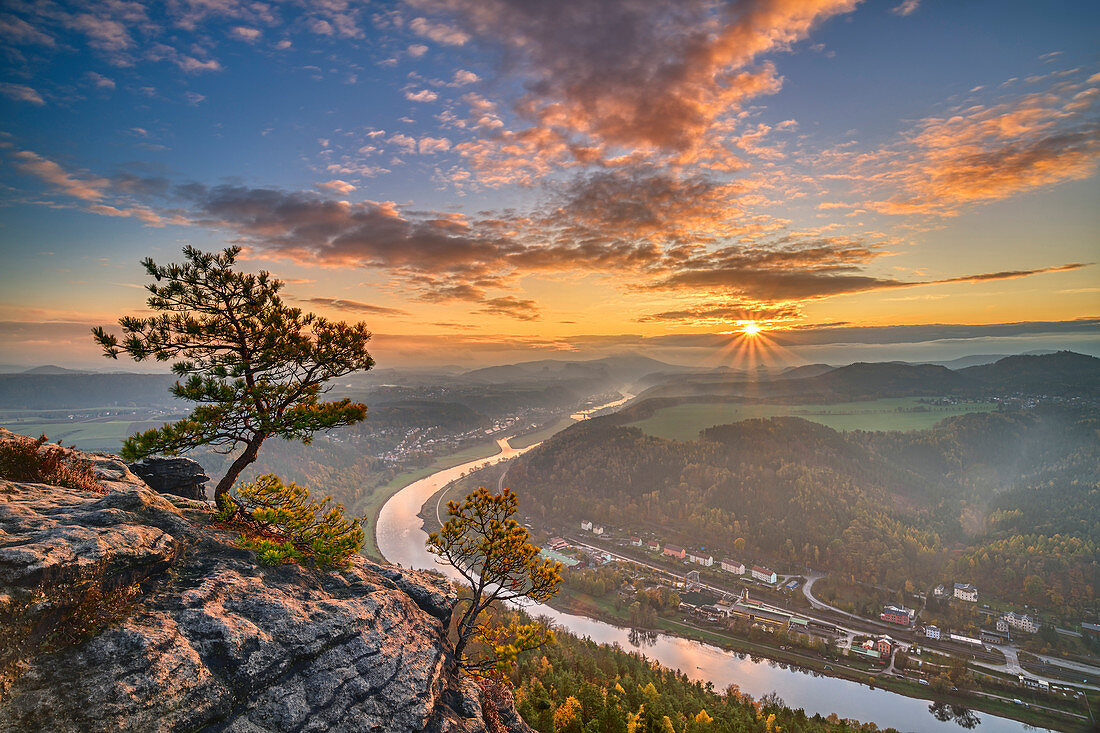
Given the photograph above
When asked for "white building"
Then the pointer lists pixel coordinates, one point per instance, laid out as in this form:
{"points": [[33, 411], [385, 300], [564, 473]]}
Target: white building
{"points": [[932, 632], [636, 541], [704, 560], [761, 573], [732, 566], [586, 526], [966, 592], [597, 530], [1017, 622]]}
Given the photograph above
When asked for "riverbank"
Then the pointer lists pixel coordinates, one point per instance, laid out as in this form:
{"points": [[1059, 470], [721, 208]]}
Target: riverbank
{"points": [[577, 603], [573, 602], [369, 507], [702, 654]]}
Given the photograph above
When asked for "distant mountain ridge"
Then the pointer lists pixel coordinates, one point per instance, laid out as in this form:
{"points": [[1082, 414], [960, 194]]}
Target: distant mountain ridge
{"points": [[1063, 373], [52, 369], [625, 367]]}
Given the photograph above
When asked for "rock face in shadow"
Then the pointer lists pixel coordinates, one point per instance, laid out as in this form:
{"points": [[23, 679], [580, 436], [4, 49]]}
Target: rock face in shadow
{"points": [[211, 640], [179, 476]]}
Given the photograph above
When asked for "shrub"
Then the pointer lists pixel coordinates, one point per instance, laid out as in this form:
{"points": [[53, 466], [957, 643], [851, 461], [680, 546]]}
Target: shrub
{"points": [[51, 618], [33, 461], [284, 525]]}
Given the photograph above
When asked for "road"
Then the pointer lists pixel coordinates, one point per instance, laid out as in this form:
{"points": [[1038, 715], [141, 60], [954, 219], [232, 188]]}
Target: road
{"points": [[849, 633], [500, 484], [807, 590], [1011, 665]]}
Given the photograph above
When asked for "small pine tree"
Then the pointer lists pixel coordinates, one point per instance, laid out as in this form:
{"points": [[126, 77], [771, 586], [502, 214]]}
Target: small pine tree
{"points": [[294, 527], [489, 548]]}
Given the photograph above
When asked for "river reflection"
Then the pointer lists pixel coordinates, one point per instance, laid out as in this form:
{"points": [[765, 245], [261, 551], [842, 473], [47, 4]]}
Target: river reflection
{"points": [[401, 541], [946, 712]]}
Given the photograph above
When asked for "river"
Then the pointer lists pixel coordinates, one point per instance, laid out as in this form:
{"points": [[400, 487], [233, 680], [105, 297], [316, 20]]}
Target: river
{"points": [[401, 541]]}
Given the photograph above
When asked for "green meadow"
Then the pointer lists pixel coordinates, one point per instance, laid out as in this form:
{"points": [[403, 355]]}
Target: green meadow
{"points": [[103, 434], [684, 421]]}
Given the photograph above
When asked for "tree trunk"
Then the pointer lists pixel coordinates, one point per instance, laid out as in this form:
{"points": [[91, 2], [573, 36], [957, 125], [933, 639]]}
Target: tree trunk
{"points": [[238, 465], [466, 628]]}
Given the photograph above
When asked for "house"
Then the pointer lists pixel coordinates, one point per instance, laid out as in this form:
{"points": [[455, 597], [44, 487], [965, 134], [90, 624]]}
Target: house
{"points": [[597, 530], [1017, 622], [558, 557], [966, 592], [932, 632], [700, 559], [939, 591], [653, 546], [757, 613], [674, 551], [761, 573], [884, 646], [899, 615], [868, 653], [636, 541], [586, 526], [732, 566], [992, 637], [557, 543], [968, 640]]}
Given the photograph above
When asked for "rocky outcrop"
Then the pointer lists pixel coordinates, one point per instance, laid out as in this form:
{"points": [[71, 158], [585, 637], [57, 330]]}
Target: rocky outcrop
{"points": [[179, 476], [210, 640]]}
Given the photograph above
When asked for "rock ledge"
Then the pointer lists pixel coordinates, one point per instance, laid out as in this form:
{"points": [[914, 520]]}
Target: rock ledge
{"points": [[214, 641]]}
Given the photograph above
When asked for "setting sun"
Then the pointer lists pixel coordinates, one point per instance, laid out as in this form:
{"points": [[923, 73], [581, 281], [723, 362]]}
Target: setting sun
{"points": [[752, 328]]}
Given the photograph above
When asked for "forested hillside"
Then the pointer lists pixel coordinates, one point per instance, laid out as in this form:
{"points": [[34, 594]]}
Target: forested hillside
{"points": [[1007, 499]]}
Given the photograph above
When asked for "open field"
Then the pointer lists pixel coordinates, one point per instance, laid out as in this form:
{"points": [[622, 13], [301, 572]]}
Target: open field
{"points": [[103, 434], [684, 421]]}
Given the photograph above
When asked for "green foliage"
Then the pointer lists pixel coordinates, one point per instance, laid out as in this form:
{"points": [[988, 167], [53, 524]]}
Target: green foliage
{"points": [[272, 552], [293, 526], [878, 508], [255, 365], [33, 461], [482, 541]]}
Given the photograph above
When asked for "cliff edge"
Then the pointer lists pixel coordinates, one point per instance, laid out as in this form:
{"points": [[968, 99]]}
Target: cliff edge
{"points": [[132, 611]]}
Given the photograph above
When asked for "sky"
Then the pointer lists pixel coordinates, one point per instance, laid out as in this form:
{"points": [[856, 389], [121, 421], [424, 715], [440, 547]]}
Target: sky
{"points": [[485, 181]]}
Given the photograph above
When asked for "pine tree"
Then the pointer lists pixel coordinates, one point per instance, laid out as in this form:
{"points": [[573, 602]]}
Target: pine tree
{"points": [[255, 365]]}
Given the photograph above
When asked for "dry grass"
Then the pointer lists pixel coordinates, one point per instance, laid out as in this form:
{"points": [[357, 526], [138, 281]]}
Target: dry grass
{"points": [[34, 461], [45, 620]]}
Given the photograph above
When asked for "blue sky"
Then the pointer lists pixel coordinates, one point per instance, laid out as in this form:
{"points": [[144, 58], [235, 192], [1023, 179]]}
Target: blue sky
{"points": [[520, 179]]}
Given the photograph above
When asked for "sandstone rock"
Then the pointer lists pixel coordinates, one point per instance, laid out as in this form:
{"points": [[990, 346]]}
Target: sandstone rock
{"points": [[180, 476], [215, 641]]}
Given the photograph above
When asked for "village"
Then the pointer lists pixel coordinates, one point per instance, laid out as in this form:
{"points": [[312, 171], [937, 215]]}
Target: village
{"points": [[742, 602]]}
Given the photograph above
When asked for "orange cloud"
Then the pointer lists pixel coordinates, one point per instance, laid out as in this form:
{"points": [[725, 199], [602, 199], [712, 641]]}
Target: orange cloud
{"points": [[987, 153], [652, 76], [85, 189]]}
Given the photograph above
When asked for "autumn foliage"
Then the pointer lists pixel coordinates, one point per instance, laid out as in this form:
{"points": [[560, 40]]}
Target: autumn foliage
{"points": [[483, 542], [284, 525]]}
